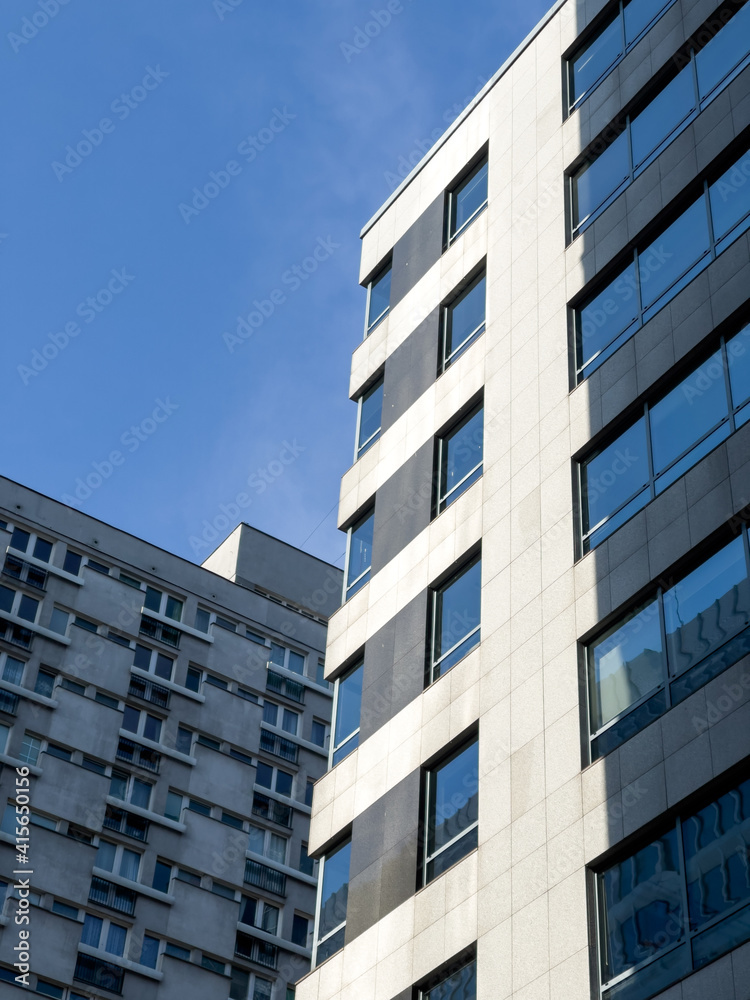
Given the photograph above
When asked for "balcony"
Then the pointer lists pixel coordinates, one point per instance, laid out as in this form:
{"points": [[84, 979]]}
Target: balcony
{"points": [[8, 702], [134, 753], [167, 634], [254, 950], [114, 897], [19, 569], [16, 634], [285, 686], [269, 808], [94, 971], [149, 691], [278, 746], [125, 822], [263, 877]]}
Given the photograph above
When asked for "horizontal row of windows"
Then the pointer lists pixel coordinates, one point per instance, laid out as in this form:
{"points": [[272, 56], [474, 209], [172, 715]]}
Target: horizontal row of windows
{"points": [[628, 146], [449, 831]]}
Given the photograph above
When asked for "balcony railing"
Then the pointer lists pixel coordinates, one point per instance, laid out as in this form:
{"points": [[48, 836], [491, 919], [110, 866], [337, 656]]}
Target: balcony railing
{"points": [[94, 971], [269, 808], [8, 702], [114, 897], [139, 755], [285, 686], [278, 746], [263, 877], [158, 630], [19, 569], [149, 691], [125, 822], [254, 950], [17, 634]]}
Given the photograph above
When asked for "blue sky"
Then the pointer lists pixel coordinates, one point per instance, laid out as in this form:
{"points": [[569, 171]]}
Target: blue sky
{"points": [[125, 386]]}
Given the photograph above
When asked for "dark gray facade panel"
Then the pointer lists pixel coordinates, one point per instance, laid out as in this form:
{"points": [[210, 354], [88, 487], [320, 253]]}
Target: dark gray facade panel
{"points": [[385, 849], [417, 250], [411, 369], [403, 507], [394, 668]]}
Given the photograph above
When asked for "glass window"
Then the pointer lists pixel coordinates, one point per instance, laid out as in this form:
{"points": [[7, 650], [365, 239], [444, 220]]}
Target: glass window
{"points": [[306, 863], [173, 609], [162, 876], [664, 915], [263, 775], [58, 621], [456, 618], [140, 794], [4, 733], [460, 458], [45, 682], [461, 985], [730, 197], [19, 540], [596, 180], [706, 607], [163, 667], [149, 951], [296, 663], [152, 600], [299, 930], [270, 713], [29, 752], [662, 115], [617, 474], [202, 619], [625, 664], [152, 728], [606, 318], [289, 722], [378, 298], [359, 557], [318, 733], [6, 599], [72, 563], [724, 51], [27, 608], [463, 321], [283, 783], [333, 896], [42, 549], [193, 679], [130, 719], [348, 703], [173, 809], [673, 253], [369, 417], [13, 670], [92, 928], [452, 804], [184, 741], [595, 59], [467, 200], [638, 16], [105, 855]]}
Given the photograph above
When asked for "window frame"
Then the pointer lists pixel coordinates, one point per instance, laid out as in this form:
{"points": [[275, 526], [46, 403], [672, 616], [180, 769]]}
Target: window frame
{"points": [[477, 164], [130, 780], [350, 589], [441, 501], [457, 296], [341, 845], [360, 447], [370, 325], [440, 977], [335, 747], [436, 592], [429, 774]]}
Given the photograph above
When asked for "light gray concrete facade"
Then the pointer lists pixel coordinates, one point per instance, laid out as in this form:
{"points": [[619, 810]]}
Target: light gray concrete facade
{"points": [[562, 800], [172, 719]]}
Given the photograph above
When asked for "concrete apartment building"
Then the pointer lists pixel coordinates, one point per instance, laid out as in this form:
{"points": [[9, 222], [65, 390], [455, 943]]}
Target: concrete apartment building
{"points": [[540, 781], [171, 719]]}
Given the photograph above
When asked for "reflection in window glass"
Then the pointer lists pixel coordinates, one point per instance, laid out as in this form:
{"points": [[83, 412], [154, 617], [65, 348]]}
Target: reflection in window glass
{"points": [[624, 665], [597, 57], [461, 985], [606, 316], [456, 618], [738, 351], [360, 554], [638, 16], [370, 417], [684, 415], [707, 607], [614, 475], [333, 899], [463, 321], [725, 50], [673, 252], [730, 197], [452, 811], [467, 199], [664, 113], [597, 180], [347, 710], [460, 458], [379, 298]]}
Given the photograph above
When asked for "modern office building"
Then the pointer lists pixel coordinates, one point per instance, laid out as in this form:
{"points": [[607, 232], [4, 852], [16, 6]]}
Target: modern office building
{"points": [[161, 727], [540, 773]]}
